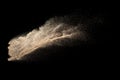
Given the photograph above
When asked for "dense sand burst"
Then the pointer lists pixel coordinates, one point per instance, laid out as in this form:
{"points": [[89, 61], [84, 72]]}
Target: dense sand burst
{"points": [[60, 31]]}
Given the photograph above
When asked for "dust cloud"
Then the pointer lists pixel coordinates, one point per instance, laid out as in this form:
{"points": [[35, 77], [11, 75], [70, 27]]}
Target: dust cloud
{"points": [[60, 31]]}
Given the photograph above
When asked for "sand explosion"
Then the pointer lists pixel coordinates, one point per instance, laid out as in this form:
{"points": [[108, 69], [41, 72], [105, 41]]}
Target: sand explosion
{"points": [[60, 31]]}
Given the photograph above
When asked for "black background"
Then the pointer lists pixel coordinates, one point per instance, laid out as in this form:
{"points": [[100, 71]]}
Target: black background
{"points": [[20, 17]]}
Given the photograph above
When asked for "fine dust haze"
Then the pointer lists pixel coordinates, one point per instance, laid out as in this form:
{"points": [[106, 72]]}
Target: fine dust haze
{"points": [[60, 31]]}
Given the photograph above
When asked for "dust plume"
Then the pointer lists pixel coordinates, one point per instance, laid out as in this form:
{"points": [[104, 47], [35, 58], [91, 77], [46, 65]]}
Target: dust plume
{"points": [[60, 31]]}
